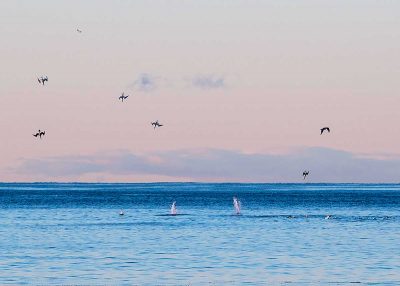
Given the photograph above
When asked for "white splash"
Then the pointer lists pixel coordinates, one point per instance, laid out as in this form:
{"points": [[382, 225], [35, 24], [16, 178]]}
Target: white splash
{"points": [[236, 205], [173, 210]]}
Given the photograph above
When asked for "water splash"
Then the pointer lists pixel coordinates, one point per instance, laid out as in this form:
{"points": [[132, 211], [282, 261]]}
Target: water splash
{"points": [[173, 210], [236, 205]]}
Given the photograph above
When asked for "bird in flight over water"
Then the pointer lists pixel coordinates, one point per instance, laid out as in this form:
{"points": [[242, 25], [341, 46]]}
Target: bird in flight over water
{"points": [[39, 133], [305, 174], [42, 79], [325, 129], [79, 31], [156, 124], [122, 97]]}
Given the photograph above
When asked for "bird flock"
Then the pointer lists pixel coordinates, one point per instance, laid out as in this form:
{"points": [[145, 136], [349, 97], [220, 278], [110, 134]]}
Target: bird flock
{"points": [[43, 79], [39, 134]]}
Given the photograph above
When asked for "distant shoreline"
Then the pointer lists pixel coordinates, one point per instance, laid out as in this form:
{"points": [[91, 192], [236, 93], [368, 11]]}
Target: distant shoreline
{"points": [[210, 183]]}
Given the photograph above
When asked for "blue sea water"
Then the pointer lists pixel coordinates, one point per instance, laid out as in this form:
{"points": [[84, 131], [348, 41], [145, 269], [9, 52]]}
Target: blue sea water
{"points": [[54, 233]]}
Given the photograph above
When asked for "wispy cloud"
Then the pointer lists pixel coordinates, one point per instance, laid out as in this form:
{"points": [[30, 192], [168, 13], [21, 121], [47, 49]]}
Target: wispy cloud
{"points": [[145, 82], [208, 82], [326, 165]]}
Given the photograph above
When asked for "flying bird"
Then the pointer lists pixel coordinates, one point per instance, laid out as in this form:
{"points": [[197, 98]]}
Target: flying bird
{"points": [[79, 31], [42, 79], [325, 128], [39, 133], [305, 174], [122, 97], [156, 124]]}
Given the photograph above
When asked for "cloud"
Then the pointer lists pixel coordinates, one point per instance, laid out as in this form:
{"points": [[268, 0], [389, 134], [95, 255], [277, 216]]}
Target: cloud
{"points": [[208, 82], [145, 82], [325, 165]]}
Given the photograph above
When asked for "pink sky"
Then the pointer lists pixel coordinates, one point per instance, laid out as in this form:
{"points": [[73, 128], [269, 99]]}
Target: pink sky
{"points": [[249, 77]]}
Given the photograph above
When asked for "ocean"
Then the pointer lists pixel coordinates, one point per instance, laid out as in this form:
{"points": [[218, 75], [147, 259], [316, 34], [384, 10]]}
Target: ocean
{"points": [[286, 234]]}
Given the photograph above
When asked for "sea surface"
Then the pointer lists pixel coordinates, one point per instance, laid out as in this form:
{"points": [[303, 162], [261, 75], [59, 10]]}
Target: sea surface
{"points": [[72, 233]]}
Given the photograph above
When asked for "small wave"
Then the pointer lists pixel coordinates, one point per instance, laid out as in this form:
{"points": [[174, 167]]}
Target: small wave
{"points": [[316, 216], [172, 214]]}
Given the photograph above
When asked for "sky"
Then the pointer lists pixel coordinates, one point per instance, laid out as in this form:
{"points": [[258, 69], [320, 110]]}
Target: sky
{"points": [[241, 86]]}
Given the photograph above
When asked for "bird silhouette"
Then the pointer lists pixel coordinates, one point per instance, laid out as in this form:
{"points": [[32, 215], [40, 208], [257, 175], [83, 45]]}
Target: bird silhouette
{"points": [[79, 31], [305, 174], [42, 80], [39, 134], [325, 129], [156, 124], [122, 97]]}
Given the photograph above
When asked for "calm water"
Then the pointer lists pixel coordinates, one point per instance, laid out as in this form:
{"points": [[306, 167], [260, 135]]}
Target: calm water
{"points": [[73, 234]]}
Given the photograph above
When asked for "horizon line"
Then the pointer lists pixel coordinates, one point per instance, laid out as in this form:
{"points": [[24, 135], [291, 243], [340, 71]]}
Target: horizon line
{"points": [[209, 183]]}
